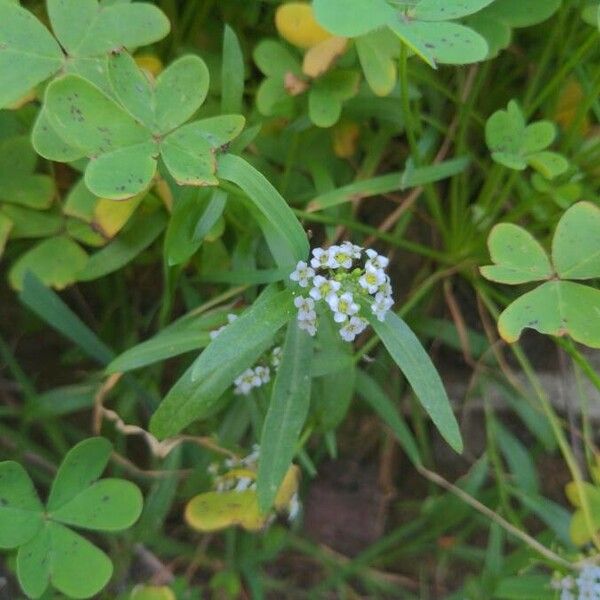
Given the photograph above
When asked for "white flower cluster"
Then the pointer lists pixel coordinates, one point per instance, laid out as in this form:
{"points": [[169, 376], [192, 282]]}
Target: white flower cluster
{"points": [[586, 586], [238, 475], [345, 278], [256, 376]]}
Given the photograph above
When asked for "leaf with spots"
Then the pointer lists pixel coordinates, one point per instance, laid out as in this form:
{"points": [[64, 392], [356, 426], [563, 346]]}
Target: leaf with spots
{"points": [[441, 42], [518, 257], [59, 556], [21, 512], [576, 243], [442, 10], [555, 308], [106, 505], [85, 28], [558, 306], [81, 467]]}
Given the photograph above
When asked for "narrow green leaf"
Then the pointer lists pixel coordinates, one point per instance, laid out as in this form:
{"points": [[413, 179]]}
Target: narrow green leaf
{"points": [[269, 202], [49, 307], [410, 356], [82, 465], [232, 75], [286, 414], [257, 324], [379, 401]]}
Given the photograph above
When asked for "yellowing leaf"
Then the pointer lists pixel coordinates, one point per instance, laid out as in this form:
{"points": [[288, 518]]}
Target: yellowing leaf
{"points": [[30, 96], [579, 529], [321, 57], [110, 216], [570, 98], [297, 25], [149, 63], [289, 486], [152, 592], [345, 138], [217, 510]]}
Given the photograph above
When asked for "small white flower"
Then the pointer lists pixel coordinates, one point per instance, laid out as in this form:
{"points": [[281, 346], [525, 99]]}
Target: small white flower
{"points": [[377, 260], [352, 328], [386, 287], [246, 381], [351, 249], [324, 288], [302, 274], [308, 325], [320, 258], [339, 258], [306, 308], [276, 357], [294, 508], [264, 373], [381, 305], [372, 278], [343, 306]]}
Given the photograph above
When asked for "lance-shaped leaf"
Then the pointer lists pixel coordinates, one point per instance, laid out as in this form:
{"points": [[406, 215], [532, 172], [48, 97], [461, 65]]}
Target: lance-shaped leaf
{"points": [[21, 512], [555, 308], [576, 242], [18, 183], [517, 255], [287, 413], [28, 53], [408, 353]]}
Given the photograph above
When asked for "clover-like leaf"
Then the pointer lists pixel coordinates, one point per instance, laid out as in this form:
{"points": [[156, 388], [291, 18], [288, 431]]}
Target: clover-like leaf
{"points": [[18, 182], [65, 559], [555, 308], [518, 256], [49, 552], [28, 53], [321, 57], [106, 505], [441, 42], [442, 10], [576, 242], [327, 94], [86, 30], [516, 13], [517, 145], [351, 18], [378, 52], [81, 467], [123, 143], [296, 24], [579, 529], [21, 512], [56, 261]]}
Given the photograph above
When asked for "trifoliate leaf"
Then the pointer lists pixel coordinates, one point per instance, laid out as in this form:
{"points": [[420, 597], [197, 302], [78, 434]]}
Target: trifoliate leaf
{"points": [[21, 512], [296, 24], [518, 256]]}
